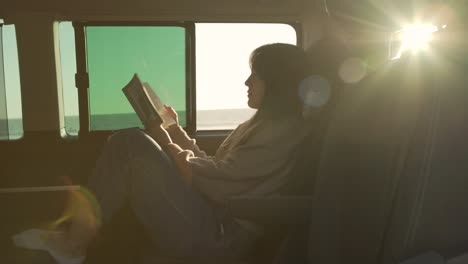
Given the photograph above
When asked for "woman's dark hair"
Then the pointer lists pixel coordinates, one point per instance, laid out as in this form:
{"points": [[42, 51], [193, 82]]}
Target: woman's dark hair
{"points": [[282, 67]]}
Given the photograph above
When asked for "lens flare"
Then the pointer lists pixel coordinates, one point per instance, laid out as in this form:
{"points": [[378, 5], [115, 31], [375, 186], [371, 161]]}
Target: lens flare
{"points": [[415, 37], [82, 206], [352, 70], [314, 91]]}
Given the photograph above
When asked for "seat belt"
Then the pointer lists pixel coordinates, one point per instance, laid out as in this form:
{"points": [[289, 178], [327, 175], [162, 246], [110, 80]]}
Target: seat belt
{"points": [[400, 165], [434, 108]]}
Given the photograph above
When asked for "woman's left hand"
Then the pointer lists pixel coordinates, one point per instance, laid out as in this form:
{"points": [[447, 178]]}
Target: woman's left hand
{"points": [[158, 133]]}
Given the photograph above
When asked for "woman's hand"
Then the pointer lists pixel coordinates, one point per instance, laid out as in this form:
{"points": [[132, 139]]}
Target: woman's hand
{"points": [[158, 133], [172, 113]]}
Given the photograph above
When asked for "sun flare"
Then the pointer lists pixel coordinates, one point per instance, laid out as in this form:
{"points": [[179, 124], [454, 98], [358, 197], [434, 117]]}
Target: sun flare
{"points": [[415, 37]]}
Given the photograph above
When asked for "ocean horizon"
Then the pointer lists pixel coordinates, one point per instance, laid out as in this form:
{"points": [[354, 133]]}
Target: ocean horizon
{"points": [[220, 119]]}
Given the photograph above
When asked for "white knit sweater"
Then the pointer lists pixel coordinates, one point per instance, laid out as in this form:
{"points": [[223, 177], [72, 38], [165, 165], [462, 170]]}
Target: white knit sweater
{"points": [[255, 164]]}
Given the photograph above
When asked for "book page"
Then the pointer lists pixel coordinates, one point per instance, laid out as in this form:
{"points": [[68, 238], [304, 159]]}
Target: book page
{"points": [[154, 97], [136, 98], [141, 102], [167, 120]]}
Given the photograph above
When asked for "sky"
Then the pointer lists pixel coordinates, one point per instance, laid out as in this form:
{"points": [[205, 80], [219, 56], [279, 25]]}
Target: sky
{"points": [[222, 52], [12, 81]]}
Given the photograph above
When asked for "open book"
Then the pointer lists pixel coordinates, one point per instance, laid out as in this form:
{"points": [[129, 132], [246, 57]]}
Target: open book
{"points": [[146, 103]]}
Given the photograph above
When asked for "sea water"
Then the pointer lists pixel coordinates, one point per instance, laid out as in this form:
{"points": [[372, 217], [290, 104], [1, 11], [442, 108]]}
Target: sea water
{"points": [[219, 119]]}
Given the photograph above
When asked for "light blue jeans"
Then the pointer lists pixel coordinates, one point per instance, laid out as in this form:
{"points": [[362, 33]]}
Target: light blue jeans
{"points": [[181, 223]]}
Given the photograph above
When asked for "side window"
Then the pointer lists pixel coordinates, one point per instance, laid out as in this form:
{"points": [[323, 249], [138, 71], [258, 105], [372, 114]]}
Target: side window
{"points": [[222, 52], [162, 56], [11, 117], [68, 70], [113, 55]]}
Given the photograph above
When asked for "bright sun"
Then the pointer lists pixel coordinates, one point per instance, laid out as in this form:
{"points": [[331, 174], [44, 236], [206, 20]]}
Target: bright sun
{"points": [[415, 37]]}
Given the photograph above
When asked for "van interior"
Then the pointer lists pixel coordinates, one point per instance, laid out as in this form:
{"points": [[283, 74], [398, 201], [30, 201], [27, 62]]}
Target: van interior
{"points": [[382, 179]]}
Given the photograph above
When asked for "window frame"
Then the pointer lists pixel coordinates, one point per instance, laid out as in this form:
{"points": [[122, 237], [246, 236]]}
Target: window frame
{"points": [[296, 25], [82, 79]]}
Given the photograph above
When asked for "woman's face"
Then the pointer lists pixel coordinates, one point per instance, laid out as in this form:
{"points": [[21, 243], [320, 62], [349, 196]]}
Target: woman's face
{"points": [[256, 91]]}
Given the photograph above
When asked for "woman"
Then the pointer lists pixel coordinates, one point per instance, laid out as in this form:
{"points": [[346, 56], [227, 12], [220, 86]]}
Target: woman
{"points": [[177, 192]]}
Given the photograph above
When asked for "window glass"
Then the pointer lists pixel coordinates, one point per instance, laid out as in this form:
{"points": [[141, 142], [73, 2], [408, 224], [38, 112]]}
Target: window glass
{"points": [[68, 69], [11, 117], [157, 54], [115, 53], [222, 52]]}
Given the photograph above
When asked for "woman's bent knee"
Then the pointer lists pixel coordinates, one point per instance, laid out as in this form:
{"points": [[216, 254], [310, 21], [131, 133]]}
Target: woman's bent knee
{"points": [[134, 141], [126, 134], [130, 138]]}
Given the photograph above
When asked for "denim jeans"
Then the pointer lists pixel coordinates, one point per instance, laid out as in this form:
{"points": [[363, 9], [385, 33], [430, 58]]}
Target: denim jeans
{"points": [[133, 168]]}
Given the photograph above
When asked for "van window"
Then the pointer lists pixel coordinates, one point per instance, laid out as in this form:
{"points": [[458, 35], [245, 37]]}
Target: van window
{"points": [[68, 70], [159, 55], [11, 117], [222, 52], [113, 55]]}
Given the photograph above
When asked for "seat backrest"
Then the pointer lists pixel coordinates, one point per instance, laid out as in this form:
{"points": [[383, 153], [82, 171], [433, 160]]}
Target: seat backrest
{"points": [[362, 156], [303, 177], [431, 210], [324, 84]]}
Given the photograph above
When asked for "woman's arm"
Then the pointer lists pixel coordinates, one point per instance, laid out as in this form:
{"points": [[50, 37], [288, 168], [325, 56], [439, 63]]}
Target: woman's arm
{"points": [[180, 137], [269, 154], [180, 158], [159, 134], [174, 151]]}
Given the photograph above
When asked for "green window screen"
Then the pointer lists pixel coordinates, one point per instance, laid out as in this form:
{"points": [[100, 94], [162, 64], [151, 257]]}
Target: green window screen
{"points": [[115, 53]]}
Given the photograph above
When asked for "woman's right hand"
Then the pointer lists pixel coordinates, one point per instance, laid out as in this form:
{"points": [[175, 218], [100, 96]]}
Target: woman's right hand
{"points": [[172, 113]]}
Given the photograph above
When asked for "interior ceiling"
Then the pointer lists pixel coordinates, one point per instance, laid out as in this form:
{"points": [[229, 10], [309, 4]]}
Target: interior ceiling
{"points": [[373, 13], [392, 13], [159, 7]]}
